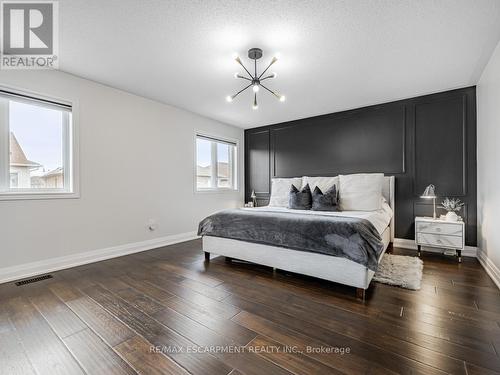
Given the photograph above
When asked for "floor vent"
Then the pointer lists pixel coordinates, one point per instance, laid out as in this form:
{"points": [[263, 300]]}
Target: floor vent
{"points": [[33, 280]]}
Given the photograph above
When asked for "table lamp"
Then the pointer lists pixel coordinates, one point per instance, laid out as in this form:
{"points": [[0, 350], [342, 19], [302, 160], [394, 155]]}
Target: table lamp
{"points": [[429, 193]]}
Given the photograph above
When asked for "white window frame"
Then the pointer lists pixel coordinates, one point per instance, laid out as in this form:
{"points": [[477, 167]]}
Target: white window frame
{"points": [[70, 153], [234, 161]]}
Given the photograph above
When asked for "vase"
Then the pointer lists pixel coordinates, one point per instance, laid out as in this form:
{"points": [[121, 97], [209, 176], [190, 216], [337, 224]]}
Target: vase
{"points": [[451, 216]]}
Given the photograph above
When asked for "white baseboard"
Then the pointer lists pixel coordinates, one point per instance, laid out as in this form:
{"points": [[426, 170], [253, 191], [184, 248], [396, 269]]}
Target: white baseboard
{"points": [[469, 251], [59, 263], [491, 269]]}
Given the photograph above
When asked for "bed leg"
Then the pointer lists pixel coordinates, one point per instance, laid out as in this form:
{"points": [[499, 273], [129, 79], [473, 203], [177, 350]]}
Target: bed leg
{"points": [[390, 248], [207, 256], [228, 259], [360, 293]]}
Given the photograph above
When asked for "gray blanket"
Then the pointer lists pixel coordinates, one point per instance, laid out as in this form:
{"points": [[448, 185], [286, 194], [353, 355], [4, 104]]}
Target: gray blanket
{"points": [[341, 236]]}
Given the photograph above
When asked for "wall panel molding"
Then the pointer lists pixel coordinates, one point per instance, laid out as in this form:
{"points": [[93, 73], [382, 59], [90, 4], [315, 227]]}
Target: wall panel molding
{"points": [[321, 147], [422, 147], [258, 152]]}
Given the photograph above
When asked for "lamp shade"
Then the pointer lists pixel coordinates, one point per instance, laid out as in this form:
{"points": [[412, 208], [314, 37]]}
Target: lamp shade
{"points": [[429, 192]]}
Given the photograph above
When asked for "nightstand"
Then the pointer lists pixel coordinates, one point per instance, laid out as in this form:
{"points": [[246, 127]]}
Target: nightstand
{"points": [[440, 233]]}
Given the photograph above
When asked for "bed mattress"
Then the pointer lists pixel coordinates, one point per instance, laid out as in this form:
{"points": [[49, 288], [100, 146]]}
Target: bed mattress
{"points": [[379, 218]]}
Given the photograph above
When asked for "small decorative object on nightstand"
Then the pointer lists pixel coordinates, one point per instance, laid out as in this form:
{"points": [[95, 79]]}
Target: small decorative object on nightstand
{"points": [[254, 198], [441, 234], [452, 206]]}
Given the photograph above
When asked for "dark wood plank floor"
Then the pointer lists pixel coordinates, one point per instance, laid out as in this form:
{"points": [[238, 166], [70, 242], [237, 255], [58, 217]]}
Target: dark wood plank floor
{"points": [[166, 311]]}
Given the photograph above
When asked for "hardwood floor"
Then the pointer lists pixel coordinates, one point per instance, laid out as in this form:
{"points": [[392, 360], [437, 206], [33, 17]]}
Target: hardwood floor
{"points": [[153, 312]]}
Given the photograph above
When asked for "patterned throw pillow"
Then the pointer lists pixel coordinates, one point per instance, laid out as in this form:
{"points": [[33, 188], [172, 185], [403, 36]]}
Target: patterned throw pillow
{"points": [[300, 199], [324, 201]]}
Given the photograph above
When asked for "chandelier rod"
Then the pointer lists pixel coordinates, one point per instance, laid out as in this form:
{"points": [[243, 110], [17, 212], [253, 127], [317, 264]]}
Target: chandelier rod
{"points": [[239, 76], [239, 92], [246, 70], [271, 91], [267, 77], [271, 63]]}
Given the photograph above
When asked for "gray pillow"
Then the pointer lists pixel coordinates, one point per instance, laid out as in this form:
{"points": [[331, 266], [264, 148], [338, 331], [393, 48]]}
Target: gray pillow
{"points": [[300, 200], [324, 201]]}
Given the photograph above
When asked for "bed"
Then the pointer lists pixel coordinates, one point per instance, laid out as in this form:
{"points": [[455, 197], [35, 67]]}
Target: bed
{"points": [[338, 269]]}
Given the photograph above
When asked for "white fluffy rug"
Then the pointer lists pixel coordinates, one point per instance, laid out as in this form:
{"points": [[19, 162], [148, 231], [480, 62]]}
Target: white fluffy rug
{"points": [[400, 270]]}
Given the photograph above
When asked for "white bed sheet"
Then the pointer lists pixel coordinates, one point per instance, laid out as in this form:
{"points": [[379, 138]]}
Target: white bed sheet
{"points": [[379, 218]]}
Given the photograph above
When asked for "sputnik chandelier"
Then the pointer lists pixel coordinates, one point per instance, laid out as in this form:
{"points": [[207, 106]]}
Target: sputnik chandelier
{"points": [[255, 81]]}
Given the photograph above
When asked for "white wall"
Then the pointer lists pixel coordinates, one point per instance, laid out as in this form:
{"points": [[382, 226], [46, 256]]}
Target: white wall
{"points": [[488, 163], [136, 164]]}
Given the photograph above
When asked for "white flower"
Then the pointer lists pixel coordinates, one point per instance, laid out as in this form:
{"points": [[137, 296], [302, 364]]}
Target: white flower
{"points": [[452, 204]]}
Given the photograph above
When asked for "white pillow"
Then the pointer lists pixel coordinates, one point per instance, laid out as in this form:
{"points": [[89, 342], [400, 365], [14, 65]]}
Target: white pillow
{"points": [[280, 190], [324, 183], [361, 192]]}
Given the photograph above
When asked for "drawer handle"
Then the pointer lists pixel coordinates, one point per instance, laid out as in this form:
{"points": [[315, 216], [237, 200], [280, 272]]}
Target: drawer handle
{"points": [[438, 240], [438, 229]]}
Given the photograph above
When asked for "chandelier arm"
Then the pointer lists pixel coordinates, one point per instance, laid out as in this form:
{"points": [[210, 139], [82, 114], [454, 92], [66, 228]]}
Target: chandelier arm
{"points": [[265, 70], [239, 92], [271, 91], [267, 77], [238, 76], [243, 66]]}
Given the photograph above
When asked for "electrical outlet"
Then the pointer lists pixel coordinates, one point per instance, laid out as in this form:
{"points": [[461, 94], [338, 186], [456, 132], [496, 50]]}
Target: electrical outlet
{"points": [[152, 225]]}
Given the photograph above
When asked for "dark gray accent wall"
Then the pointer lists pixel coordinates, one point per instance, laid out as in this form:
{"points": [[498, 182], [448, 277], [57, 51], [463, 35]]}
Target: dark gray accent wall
{"points": [[423, 140]]}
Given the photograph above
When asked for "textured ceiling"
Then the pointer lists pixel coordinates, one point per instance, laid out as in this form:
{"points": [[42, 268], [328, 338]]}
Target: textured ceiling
{"points": [[334, 55]]}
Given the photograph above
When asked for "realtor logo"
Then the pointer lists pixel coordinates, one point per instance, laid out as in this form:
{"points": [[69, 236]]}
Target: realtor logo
{"points": [[29, 34]]}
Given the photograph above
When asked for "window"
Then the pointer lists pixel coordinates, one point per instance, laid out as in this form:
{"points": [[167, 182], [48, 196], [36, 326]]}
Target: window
{"points": [[215, 164], [36, 147]]}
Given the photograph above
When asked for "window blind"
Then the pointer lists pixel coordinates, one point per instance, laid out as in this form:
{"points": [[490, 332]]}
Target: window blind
{"points": [[9, 95], [216, 140]]}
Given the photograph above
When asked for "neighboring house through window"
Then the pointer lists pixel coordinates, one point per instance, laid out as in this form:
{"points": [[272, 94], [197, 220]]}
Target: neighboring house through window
{"points": [[215, 164], [14, 179], [20, 167], [36, 147]]}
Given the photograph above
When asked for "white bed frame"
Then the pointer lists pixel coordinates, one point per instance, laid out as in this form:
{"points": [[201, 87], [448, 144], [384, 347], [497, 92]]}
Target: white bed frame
{"points": [[336, 269]]}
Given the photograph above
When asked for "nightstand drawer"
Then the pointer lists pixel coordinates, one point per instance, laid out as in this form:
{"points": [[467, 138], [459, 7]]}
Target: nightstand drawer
{"points": [[440, 228], [430, 239]]}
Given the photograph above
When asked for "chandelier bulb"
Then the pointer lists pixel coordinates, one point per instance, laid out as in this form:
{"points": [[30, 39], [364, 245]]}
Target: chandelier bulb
{"points": [[282, 98], [236, 75], [229, 99], [256, 87], [274, 75]]}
